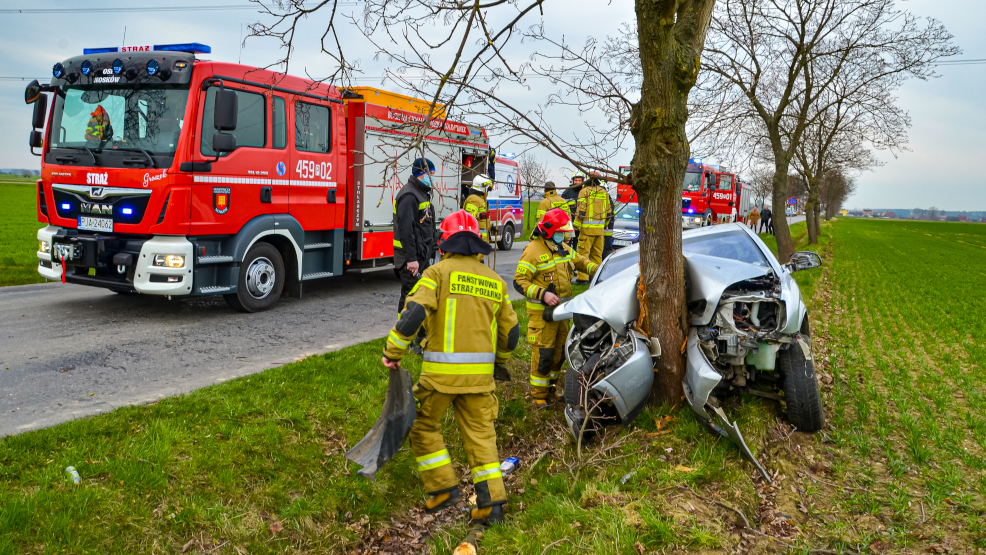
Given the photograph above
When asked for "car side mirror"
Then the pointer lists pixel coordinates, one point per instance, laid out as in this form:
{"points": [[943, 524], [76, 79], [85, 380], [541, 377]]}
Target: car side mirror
{"points": [[40, 111], [227, 106], [804, 260]]}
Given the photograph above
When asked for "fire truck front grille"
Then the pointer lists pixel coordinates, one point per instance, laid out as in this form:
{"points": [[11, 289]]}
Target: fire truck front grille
{"points": [[123, 206]]}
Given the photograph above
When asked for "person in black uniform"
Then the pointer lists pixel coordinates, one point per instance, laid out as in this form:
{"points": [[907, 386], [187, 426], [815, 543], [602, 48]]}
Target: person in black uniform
{"points": [[414, 228]]}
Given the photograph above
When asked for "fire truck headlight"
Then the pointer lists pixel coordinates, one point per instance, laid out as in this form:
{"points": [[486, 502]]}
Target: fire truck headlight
{"points": [[697, 220], [43, 246], [169, 260]]}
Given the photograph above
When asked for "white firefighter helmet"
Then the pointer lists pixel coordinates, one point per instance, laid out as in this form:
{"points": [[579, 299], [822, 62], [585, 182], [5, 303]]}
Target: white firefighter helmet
{"points": [[481, 183]]}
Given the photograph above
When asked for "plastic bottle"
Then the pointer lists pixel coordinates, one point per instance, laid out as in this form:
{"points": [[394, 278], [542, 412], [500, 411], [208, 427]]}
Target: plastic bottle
{"points": [[509, 465], [74, 474]]}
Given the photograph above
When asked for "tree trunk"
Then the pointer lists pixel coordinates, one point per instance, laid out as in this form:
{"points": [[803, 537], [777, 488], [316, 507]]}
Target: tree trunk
{"points": [[811, 212], [785, 247], [671, 41], [815, 216]]}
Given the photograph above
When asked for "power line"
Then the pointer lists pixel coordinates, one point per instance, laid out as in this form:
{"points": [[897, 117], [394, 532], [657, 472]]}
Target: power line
{"points": [[212, 8]]}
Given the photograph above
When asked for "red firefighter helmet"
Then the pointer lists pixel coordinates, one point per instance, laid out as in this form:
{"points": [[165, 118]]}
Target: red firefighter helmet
{"points": [[553, 221], [457, 222]]}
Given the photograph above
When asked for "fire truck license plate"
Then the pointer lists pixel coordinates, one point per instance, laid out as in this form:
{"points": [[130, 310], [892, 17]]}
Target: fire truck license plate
{"points": [[96, 224], [622, 242]]}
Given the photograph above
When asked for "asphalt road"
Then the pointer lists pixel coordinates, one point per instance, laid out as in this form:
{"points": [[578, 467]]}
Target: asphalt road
{"points": [[68, 351]]}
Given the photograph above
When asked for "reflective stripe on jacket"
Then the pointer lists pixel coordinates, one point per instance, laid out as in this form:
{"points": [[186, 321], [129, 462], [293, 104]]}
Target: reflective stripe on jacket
{"points": [[543, 263], [552, 200], [468, 320], [593, 210], [479, 208]]}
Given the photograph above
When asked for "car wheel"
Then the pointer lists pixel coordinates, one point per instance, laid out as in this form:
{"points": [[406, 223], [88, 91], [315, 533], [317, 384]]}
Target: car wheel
{"points": [[506, 241], [804, 402], [261, 280], [707, 219]]}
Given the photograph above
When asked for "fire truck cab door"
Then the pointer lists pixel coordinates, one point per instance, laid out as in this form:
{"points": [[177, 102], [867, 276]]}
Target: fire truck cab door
{"points": [[315, 198], [722, 197], [224, 199]]}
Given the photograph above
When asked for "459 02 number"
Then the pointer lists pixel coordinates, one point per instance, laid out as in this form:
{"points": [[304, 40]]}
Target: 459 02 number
{"points": [[308, 169]]}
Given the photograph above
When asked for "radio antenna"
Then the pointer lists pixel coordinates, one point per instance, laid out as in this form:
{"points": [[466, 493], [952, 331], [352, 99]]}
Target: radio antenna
{"points": [[124, 36]]}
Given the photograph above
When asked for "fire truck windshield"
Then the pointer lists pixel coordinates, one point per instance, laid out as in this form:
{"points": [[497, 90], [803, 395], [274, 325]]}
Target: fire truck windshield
{"points": [[693, 182], [104, 119]]}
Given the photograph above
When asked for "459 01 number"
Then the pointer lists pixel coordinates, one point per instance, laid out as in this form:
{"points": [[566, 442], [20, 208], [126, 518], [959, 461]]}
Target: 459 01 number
{"points": [[308, 169]]}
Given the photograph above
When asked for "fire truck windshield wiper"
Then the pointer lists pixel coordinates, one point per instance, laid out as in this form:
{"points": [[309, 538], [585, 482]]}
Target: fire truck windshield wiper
{"points": [[85, 148], [138, 149]]}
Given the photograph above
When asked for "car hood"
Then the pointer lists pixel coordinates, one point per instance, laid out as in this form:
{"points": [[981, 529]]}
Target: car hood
{"points": [[710, 276], [627, 224], [615, 300]]}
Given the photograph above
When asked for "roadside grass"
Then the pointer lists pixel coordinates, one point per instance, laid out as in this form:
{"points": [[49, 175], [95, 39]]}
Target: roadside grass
{"points": [[18, 231], [901, 466]]}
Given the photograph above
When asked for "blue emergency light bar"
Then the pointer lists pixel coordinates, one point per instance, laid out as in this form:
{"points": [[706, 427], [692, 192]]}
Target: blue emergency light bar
{"points": [[183, 47]]}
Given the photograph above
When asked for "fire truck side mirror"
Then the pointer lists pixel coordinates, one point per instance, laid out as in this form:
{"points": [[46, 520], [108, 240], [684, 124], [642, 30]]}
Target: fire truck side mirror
{"points": [[223, 142], [226, 108], [40, 111], [36, 140]]}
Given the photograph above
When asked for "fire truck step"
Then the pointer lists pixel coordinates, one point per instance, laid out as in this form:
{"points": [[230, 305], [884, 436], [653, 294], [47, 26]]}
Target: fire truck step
{"points": [[316, 275], [215, 259], [313, 246], [214, 290]]}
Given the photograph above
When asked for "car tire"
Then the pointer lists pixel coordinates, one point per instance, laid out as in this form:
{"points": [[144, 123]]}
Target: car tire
{"points": [[506, 241], [261, 280], [804, 402], [707, 218]]}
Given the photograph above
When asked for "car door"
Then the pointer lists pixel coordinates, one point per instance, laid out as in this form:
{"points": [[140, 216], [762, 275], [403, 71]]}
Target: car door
{"points": [[224, 199]]}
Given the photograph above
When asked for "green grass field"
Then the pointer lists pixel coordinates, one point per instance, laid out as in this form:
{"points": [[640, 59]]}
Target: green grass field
{"points": [[18, 231], [255, 465]]}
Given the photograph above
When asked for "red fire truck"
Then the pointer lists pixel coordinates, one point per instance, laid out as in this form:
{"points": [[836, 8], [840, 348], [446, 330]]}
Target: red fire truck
{"points": [[167, 174], [708, 195]]}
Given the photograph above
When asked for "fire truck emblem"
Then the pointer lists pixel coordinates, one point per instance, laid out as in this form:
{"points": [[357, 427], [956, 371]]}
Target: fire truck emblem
{"points": [[281, 168], [220, 199]]}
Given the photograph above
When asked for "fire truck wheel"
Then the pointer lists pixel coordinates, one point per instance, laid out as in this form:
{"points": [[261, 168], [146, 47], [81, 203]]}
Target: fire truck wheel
{"points": [[506, 241], [707, 220], [261, 280]]}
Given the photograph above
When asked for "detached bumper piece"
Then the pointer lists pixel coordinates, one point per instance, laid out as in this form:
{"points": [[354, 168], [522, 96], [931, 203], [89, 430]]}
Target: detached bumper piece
{"points": [[700, 379]]}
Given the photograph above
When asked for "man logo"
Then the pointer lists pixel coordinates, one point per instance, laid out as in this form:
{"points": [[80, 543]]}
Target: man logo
{"points": [[220, 199], [97, 192]]}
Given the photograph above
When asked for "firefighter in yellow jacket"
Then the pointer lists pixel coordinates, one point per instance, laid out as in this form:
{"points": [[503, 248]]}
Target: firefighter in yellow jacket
{"points": [[592, 211], [476, 203], [471, 328], [551, 200], [544, 277]]}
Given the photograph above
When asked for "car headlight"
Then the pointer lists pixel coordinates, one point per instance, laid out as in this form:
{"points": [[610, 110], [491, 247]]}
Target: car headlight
{"points": [[169, 260], [44, 247], [697, 219]]}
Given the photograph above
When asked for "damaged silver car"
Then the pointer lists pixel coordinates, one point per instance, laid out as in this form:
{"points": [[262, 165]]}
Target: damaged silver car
{"points": [[749, 332]]}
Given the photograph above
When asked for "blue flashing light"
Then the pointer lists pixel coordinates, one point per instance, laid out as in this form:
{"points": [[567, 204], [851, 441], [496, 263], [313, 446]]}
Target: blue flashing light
{"points": [[127, 211], [86, 67], [695, 161], [185, 47], [100, 50], [691, 210], [66, 206], [117, 66], [508, 155], [58, 70], [152, 67]]}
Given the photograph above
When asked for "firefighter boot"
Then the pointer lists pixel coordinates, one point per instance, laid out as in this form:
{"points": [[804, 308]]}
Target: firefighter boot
{"points": [[487, 516], [541, 361], [442, 500]]}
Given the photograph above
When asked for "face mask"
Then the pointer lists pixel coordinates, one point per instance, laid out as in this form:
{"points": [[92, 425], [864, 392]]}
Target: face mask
{"points": [[426, 181], [558, 238]]}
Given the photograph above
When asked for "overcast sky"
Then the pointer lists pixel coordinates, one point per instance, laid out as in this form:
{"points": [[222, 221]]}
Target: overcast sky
{"points": [[949, 116]]}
